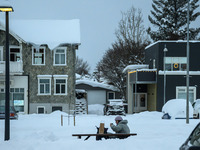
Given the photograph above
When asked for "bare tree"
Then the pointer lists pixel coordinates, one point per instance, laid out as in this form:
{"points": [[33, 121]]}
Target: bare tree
{"points": [[127, 49], [82, 67]]}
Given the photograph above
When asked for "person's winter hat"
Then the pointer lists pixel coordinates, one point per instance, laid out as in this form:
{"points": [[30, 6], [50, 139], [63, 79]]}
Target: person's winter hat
{"points": [[119, 118]]}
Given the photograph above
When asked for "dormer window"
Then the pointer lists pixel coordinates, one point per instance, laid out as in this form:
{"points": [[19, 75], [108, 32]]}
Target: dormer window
{"points": [[38, 56], [60, 56], [15, 54]]}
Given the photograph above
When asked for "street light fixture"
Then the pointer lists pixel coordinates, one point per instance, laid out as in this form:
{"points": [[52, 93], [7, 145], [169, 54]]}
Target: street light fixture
{"points": [[7, 8], [164, 61]]}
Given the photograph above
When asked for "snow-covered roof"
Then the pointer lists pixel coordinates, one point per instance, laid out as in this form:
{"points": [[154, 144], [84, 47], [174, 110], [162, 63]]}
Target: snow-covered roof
{"points": [[134, 67], [178, 72], [50, 32], [177, 41], [96, 84]]}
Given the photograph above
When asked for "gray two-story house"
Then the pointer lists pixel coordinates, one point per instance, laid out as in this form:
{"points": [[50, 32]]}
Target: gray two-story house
{"points": [[163, 76], [42, 62]]}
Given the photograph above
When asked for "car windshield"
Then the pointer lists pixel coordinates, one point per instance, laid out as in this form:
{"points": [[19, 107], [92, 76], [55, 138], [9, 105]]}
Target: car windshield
{"points": [[195, 137]]}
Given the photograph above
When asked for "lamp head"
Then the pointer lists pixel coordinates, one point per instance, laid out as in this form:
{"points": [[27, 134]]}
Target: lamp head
{"points": [[5, 7], [165, 49]]}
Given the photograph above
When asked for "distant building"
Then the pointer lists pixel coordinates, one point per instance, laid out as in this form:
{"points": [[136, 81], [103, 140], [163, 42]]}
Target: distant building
{"points": [[97, 93], [149, 79], [42, 60]]}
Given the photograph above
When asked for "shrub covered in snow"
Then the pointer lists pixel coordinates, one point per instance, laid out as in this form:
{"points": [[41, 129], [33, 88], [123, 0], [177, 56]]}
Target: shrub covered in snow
{"points": [[177, 108]]}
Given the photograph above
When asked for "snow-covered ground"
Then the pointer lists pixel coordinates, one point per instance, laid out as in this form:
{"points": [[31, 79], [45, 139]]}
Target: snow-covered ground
{"points": [[44, 132]]}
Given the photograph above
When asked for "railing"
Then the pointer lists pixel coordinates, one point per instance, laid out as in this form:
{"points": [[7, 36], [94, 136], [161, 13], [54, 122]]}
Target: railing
{"points": [[16, 67]]}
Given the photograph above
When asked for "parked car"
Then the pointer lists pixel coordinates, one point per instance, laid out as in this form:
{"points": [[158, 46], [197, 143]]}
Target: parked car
{"points": [[193, 141], [13, 113], [196, 106], [115, 107]]}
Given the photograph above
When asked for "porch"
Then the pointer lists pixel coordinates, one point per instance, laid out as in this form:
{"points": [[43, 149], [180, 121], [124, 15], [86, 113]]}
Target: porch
{"points": [[142, 90]]}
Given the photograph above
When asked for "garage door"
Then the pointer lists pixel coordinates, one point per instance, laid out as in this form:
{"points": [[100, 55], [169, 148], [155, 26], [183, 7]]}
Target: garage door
{"points": [[96, 97]]}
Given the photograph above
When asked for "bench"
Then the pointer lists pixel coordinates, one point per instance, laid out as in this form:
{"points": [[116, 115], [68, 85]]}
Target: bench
{"points": [[118, 135]]}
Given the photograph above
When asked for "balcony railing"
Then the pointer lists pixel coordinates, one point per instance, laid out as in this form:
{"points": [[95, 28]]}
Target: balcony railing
{"points": [[16, 67]]}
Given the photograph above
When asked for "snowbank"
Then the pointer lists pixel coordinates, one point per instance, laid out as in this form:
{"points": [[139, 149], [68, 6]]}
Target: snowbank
{"points": [[177, 108], [44, 131]]}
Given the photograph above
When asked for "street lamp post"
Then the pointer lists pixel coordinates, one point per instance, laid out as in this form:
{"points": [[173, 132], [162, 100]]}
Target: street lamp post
{"points": [[164, 61], [188, 56], [7, 9]]}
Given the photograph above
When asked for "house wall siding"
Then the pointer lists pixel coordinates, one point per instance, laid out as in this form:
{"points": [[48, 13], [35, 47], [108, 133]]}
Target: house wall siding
{"points": [[175, 49]]}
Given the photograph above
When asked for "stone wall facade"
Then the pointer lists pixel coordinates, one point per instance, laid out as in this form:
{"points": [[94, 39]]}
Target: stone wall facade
{"points": [[32, 71]]}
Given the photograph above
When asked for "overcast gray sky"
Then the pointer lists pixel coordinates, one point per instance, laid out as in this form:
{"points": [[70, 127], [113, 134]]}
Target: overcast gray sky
{"points": [[98, 19]]}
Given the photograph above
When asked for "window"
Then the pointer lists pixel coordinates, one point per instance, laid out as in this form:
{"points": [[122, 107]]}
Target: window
{"points": [[44, 86], [1, 53], [175, 63], [55, 108], [39, 56], [60, 56], [40, 109], [17, 95], [111, 95], [15, 54], [60, 86], [181, 93]]}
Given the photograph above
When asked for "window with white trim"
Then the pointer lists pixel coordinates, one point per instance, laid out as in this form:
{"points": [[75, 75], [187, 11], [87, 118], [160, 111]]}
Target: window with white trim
{"points": [[38, 57], [44, 86], [181, 93], [60, 86], [111, 95], [60, 56], [176, 63], [1, 53], [15, 54], [40, 110]]}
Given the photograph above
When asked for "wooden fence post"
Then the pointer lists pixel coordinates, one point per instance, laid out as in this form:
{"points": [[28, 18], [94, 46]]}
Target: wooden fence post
{"points": [[61, 120]]}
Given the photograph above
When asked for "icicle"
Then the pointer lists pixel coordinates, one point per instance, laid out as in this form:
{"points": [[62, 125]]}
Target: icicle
{"points": [[36, 46]]}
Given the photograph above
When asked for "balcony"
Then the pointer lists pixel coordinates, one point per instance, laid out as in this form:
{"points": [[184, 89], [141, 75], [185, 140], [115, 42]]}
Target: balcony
{"points": [[16, 67]]}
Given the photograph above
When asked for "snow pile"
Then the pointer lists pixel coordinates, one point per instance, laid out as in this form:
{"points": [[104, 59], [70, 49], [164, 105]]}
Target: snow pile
{"points": [[96, 109], [177, 108], [44, 131]]}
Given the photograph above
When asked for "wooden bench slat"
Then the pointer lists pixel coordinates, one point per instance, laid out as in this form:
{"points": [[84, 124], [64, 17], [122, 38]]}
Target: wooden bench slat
{"points": [[104, 135], [117, 134]]}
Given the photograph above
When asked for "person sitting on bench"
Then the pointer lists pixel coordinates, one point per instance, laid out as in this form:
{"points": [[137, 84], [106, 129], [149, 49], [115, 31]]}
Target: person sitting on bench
{"points": [[121, 126]]}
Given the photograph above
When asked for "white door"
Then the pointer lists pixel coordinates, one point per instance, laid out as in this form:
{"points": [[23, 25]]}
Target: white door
{"points": [[141, 102], [96, 97]]}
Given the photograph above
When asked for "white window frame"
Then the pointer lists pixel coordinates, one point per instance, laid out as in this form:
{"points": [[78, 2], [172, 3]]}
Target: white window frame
{"points": [[40, 107], [44, 77], [60, 77], [113, 95], [20, 51], [184, 88], [42, 47], [175, 61], [54, 56], [1, 51]]}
